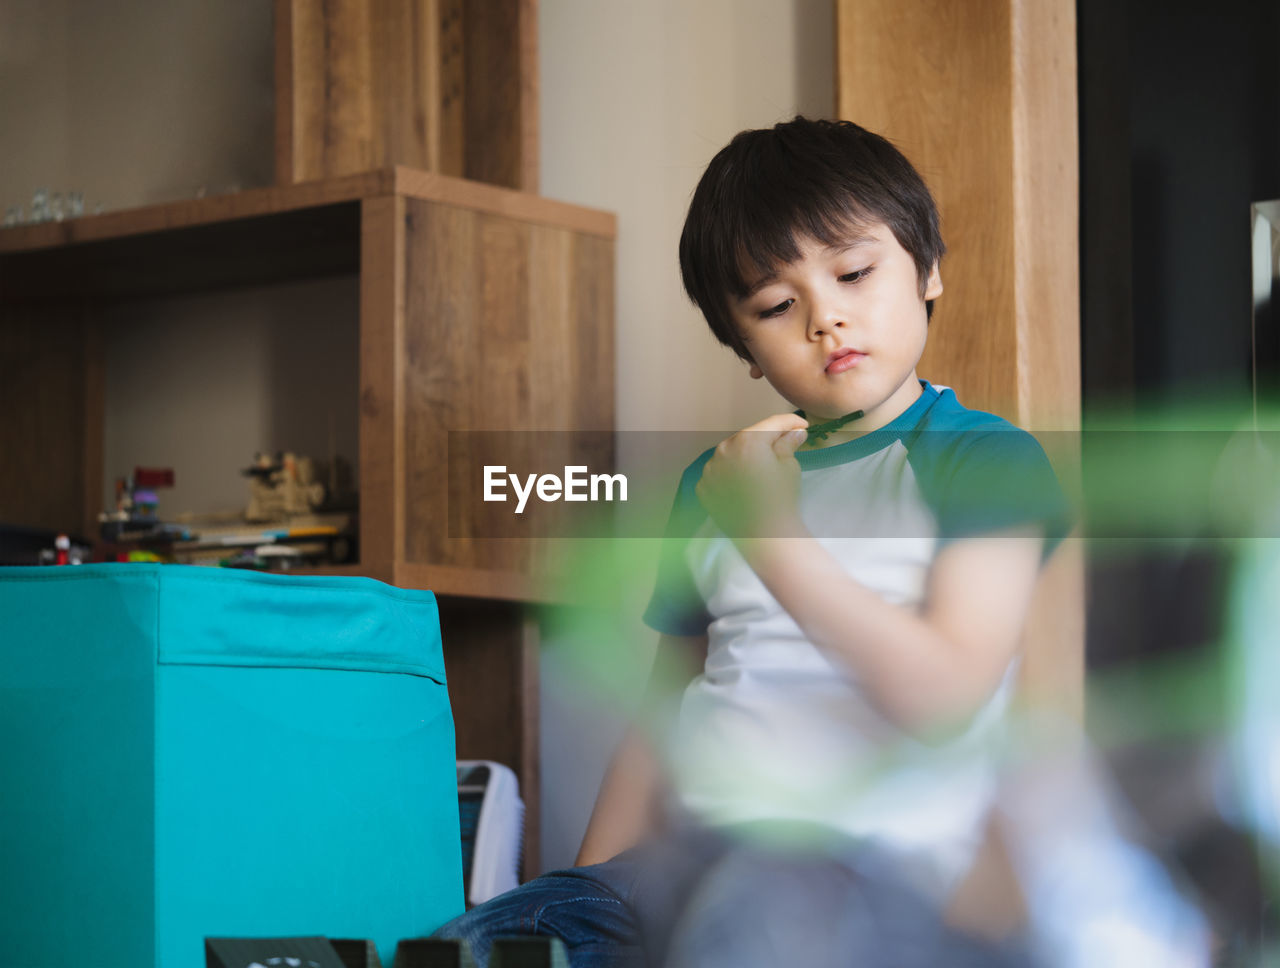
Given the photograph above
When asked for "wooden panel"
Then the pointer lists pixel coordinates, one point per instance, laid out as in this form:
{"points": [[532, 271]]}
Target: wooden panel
{"points": [[508, 586], [591, 301], [501, 101], [328, 105], [404, 96], [284, 31], [491, 661], [445, 85], [984, 104], [934, 78], [442, 349], [985, 108], [452, 74], [264, 249], [502, 201], [382, 278], [93, 424], [313, 196], [196, 211], [508, 328], [44, 399], [1046, 205]]}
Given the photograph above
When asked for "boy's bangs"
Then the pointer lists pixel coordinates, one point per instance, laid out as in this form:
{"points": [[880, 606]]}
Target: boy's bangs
{"points": [[765, 240]]}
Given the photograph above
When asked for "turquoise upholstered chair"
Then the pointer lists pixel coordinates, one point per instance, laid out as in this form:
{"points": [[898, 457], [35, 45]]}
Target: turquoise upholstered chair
{"points": [[193, 751]]}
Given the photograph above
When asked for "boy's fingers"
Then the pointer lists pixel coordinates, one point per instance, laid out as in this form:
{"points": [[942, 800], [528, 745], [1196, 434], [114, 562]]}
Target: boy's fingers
{"points": [[781, 422], [785, 445], [768, 432], [788, 431]]}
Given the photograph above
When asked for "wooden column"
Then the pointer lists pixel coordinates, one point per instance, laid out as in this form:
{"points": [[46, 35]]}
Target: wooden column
{"points": [[447, 86], [382, 281], [51, 398], [981, 96]]}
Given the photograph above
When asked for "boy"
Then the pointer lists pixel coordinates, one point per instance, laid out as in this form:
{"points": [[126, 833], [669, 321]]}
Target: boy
{"points": [[842, 577]]}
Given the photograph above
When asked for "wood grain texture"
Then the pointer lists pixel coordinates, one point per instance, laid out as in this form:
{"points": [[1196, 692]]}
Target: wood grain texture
{"points": [[452, 73], [509, 327], [43, 436], [282, 43], [934, 78], [214, 210], [982, 98], [444, 85], [1046, 205], [259, 202], [503, 201], [491, 662], [382, 278], [469, 582], [93, 422], [500, 110]]}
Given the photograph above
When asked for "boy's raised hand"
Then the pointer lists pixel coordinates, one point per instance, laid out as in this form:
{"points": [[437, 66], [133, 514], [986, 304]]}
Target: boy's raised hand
{"points": [[751, 484]]}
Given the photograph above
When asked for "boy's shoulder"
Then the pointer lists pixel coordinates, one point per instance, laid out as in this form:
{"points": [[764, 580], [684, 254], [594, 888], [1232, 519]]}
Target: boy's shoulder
{"points": [[949, 431], [981, 473]]}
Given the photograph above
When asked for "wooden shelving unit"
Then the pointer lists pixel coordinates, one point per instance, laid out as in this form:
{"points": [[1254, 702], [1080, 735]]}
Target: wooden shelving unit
{"points": [[481, 308]]}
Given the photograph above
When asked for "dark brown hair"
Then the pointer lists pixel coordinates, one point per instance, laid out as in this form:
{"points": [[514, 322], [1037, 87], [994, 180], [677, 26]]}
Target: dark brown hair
{"points": [[801, 178]]}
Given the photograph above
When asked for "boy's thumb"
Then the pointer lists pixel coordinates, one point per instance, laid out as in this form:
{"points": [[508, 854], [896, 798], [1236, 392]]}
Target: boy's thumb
{"points": [[787, 444]]}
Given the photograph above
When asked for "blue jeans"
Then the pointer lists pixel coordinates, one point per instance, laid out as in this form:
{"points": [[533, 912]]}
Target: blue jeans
{"points": [[710, 899]]}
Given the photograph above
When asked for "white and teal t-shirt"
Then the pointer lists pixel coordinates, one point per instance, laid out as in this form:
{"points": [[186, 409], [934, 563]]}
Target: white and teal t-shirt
{"points": [[773, 729]]}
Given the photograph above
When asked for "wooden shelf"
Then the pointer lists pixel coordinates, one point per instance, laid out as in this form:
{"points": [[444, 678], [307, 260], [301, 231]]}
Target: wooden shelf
{"points": [[276, 200], [254, 237], [481, 308]]}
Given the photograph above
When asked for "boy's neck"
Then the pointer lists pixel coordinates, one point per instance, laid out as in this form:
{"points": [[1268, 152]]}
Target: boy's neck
{"points": [[851, 426], [819, 432]]}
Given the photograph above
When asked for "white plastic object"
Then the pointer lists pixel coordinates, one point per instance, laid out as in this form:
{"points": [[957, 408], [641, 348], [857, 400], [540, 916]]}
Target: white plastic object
{"points": [[499, 828]]}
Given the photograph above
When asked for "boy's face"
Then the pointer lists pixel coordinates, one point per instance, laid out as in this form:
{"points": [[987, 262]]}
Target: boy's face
{"points": [[841, 329]]}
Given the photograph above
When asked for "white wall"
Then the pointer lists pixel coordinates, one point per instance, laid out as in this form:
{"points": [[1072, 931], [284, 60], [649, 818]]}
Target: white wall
{"points": [[635, 100], [135, 101]]}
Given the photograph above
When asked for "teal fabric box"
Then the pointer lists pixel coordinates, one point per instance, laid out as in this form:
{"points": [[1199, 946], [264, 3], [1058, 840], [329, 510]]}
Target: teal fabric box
{"points": [[193, 751]]}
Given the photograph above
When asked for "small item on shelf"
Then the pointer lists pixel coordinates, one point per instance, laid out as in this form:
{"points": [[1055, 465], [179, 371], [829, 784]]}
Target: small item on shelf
{"points": [[134, 517], [286, 485], [65, 551], [46, 207]]}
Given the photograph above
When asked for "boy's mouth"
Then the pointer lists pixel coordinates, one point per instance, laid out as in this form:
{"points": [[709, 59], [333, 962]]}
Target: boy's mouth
{"points": [[843, 359]]}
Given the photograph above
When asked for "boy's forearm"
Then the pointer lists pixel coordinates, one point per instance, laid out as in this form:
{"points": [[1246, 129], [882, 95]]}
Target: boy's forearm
{"points": [[625, 807], [915, 674]]}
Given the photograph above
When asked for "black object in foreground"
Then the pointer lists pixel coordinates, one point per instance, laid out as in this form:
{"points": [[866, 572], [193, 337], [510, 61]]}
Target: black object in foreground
{"points": [[532, 952], [270, 953]]}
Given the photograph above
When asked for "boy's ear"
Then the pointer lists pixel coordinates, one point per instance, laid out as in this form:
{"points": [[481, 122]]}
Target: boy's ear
{"points": [[933, 285], [755, 372]]}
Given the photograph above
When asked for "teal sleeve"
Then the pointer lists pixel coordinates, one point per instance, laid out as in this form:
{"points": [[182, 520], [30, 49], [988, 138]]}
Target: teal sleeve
{"points": [[996, 479], [676, 606]]}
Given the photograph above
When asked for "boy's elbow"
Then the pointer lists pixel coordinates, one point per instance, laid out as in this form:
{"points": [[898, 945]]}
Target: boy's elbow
{"points": [[936, 716]]}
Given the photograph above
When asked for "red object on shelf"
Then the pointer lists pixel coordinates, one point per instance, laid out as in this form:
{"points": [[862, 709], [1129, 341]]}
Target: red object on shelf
{"points": [[152, 477]]}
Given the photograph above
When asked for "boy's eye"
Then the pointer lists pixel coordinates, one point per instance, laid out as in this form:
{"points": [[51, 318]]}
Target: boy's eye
{"points": [[856, 276], [777, 310]]}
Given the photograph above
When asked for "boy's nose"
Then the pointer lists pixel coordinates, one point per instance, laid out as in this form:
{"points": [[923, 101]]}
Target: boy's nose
{"points": [[824, 322]]}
